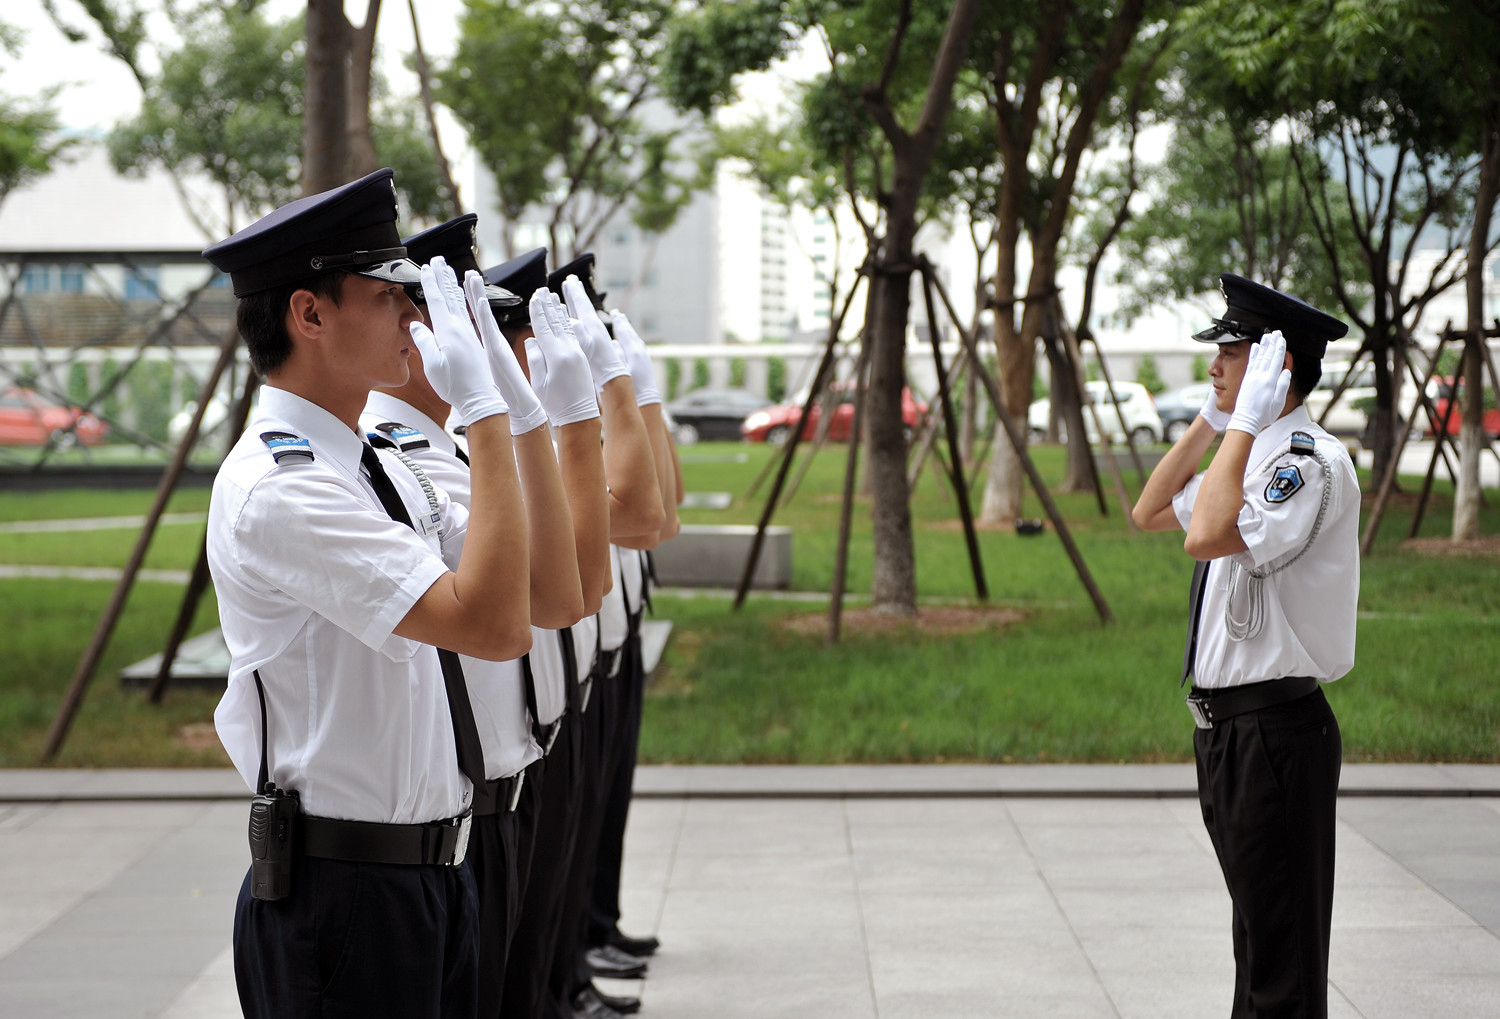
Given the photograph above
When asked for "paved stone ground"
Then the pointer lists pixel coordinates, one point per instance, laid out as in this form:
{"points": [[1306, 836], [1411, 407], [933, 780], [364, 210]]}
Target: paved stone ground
{"points": [[808, 892]]}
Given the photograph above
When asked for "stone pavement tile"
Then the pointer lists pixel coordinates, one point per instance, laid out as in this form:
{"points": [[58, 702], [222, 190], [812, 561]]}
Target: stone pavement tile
{"points": [[760, 870], [767, 914], [654, 825], [729, 973], [1089, 812], [211, 994], [897, 922], [927, 814], [720, 827], [1387, 951], [1424, 997], [91, 816], [933, 872], [1150, 908], [1175, 970], [1386, 907]]}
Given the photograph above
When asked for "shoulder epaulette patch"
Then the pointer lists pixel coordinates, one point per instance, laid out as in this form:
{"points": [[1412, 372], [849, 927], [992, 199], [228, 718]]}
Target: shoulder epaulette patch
{"points": [[285, 446], [405, 437], [1302, 444], [1286, 483]]}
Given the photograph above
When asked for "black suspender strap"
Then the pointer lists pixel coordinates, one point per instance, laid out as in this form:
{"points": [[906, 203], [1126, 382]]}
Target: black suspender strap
{"points": [[1195, 610], [461, 712], [458, 452], [648, 578]]}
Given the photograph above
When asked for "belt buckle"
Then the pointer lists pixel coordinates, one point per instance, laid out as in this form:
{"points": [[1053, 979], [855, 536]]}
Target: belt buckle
{"points": [[1200, 717], [515, 791], [588, 689], [461, 845]]}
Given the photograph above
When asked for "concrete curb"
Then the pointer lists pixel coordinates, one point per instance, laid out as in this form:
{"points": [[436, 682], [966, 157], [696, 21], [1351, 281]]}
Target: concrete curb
{"points": [[877, 781]]}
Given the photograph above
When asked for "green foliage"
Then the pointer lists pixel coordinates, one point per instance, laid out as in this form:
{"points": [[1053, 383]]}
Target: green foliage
{"points": [[700, 372], [1200, 367], [1147, 375], [775, 378], [553, 99], [674, 378], [150, 388], [737, 372], [29, 144], [227, 104], [710, 46]]}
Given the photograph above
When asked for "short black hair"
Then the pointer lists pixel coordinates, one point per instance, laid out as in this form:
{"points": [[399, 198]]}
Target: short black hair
{"points": [[1306, 371], [261, 318]]}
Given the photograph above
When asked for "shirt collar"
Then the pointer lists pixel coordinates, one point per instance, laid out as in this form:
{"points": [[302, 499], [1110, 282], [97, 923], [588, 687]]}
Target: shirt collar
{"points": [[390, 408], [1279, 432], [328, 435]]}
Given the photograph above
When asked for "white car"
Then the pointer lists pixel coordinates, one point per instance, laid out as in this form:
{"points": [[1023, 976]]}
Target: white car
{"points": [[1348, 416], [1139, 410]]}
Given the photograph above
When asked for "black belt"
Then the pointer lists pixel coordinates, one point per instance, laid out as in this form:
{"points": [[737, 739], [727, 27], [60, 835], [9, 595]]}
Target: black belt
{"points": [[499, 795], [1211, 706], [438, 842]]}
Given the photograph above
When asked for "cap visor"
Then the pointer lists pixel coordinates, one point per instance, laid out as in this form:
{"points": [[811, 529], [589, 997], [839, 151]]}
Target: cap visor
{"points": [[499, 295], [401, 270]]}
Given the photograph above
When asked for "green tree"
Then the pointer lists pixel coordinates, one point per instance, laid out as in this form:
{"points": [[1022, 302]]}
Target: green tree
{"points": [[555, 98], [1147, 374], [30, 145]]}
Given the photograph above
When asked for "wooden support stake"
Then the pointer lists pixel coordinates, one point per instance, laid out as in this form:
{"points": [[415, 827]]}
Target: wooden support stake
{"points": [[846, 507]]}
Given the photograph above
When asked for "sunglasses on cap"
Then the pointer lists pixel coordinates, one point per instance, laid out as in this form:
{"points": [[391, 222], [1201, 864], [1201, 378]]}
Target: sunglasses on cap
{"points": [[1225, 330]]}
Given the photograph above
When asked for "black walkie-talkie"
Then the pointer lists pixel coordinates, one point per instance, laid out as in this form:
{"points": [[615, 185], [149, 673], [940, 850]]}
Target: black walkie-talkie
{"points": [[273, 835], [273, 826]]}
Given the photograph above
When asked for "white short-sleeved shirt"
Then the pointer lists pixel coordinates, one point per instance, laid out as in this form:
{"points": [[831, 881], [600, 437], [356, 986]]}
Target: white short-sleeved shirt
{"points": [[1309, 607], [585, 645], [546, 656], [614, 624], [312, 578], [497, 690]]}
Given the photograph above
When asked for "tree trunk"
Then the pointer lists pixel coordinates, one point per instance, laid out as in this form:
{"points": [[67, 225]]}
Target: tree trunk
{"points": [[361, 155], [325, 97], [894, 589], [1471, 436]]}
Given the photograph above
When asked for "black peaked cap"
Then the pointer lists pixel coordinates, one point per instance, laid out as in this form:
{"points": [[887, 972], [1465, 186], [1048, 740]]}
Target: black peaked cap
{"points": [[583, 268], [454, 240], [1254, 309], [522, 276], [351, 228]]}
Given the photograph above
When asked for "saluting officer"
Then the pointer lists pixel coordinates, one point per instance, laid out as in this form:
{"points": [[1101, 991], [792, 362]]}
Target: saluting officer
{"points": [[410, 417], [334, 596], [1273, 526]]}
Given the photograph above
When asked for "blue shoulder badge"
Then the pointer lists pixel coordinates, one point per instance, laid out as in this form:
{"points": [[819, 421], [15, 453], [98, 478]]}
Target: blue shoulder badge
{"points": [[405, 438], [1286, 483], [1302, 444], [288, 447]]}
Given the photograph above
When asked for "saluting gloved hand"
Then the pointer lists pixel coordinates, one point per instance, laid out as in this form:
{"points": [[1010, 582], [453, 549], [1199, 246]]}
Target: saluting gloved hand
{"points": [[1263, 389], [1212, 414], [642, 372], [559, 368], [451, 354], [604, 358], [526, 410]]}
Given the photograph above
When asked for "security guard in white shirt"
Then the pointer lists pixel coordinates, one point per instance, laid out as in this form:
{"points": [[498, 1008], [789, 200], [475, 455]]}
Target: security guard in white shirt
{"points": [[334, 596], [1273, 524]]}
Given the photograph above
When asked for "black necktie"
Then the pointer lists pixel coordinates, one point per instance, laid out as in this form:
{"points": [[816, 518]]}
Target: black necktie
{"points": [[465, 730], [1195, 614]]}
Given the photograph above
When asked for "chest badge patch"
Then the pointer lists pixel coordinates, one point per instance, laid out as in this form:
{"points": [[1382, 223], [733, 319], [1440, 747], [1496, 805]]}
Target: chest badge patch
{"points": [[1286, 483]]}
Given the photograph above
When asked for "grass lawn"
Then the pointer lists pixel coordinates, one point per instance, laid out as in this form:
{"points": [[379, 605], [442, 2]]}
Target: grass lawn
{"points": [[1054, 685]]}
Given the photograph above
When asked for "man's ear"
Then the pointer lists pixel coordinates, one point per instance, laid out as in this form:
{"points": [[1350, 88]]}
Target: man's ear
{"points": [[303, 319]]}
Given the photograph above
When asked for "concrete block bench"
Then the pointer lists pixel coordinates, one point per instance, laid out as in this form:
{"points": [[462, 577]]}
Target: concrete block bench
{"points": [[713, 555]]}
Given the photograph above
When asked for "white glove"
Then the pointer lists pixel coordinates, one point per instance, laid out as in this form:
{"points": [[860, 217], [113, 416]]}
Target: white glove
{"points": [[1212, 414], [642, 372], [451, 354], [526, 410], [559, 369], [1263, 389], [604, 359]]}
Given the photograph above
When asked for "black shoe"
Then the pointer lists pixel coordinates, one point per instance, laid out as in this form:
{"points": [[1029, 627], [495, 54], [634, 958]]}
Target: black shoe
{"points": [[639, 947], [591, 997], [588, 1005], [609, 961]]}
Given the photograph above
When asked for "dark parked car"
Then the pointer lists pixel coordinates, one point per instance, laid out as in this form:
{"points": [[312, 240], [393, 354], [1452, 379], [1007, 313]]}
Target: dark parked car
{"points": [[712, 414], [1180, 406]]}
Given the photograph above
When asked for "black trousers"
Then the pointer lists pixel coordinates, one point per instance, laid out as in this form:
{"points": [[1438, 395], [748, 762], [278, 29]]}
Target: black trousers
{"points": [[1268, 785], [600, 725], [553, 838], [492, 854], [360, 940], [619, 780]]}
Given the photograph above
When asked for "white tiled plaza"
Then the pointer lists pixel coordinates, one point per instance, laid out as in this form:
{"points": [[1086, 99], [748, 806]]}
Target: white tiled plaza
{"points": [[807, 892]]}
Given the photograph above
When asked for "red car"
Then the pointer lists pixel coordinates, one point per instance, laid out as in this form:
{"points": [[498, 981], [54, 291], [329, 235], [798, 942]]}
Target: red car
{"points": [[29, 419], [774, 424], [1490, 421]]}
